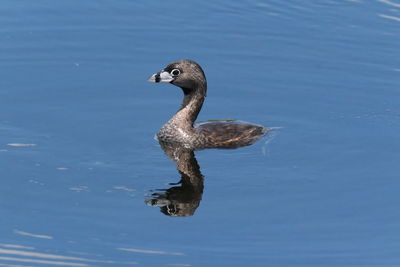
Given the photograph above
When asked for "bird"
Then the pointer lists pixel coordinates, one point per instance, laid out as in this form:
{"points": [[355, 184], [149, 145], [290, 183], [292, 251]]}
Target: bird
{"points": [[181, 129]]}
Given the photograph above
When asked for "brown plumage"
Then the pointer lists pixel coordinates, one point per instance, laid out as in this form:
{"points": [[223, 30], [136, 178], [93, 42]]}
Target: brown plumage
{"points": [[180, 129], [230, 134]]}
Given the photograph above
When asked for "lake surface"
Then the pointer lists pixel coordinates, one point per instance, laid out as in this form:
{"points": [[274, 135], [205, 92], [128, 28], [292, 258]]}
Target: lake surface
{"points": [[80, 166]]}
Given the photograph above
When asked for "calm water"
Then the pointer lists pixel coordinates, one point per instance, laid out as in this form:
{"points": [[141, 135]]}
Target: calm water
{"points": [[79, 162]]}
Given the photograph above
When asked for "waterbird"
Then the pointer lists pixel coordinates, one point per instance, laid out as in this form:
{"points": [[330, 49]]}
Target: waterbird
{"points": [[181, 128]]}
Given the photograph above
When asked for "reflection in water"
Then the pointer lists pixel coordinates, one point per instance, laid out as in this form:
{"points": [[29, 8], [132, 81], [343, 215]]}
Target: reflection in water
{"points": [[32, 235], [184, 197], [23, 254]]}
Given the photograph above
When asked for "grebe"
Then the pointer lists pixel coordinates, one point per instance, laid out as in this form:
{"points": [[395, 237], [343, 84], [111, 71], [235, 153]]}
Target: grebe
{"points": [[180, 129]]}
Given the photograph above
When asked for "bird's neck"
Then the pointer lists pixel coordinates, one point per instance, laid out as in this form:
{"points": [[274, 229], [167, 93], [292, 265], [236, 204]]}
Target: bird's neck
{"points": [[190, 107]]}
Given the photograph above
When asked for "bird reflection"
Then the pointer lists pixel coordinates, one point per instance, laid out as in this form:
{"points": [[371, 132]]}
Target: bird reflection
{"points": [[184, 197]]}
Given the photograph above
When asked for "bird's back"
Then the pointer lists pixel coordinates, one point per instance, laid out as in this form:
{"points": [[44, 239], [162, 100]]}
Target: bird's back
{"points": [[228, 134]]}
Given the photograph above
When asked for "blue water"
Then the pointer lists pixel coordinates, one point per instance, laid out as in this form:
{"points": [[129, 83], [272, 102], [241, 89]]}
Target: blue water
{"points": [[77, 121]]}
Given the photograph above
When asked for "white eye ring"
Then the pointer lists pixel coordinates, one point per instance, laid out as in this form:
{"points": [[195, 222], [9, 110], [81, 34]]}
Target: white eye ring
{"points": [[175, 72]]}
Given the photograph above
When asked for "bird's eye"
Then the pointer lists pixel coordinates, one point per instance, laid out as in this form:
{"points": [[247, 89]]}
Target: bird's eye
{"points": [[175, 72]]}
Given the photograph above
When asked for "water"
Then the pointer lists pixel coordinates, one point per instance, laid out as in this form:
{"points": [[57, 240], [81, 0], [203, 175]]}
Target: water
{"points": [[80, 117]]}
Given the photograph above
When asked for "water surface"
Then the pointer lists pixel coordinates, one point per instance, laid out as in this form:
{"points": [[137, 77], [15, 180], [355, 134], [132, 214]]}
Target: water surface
{"points": [[77, 122]]}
